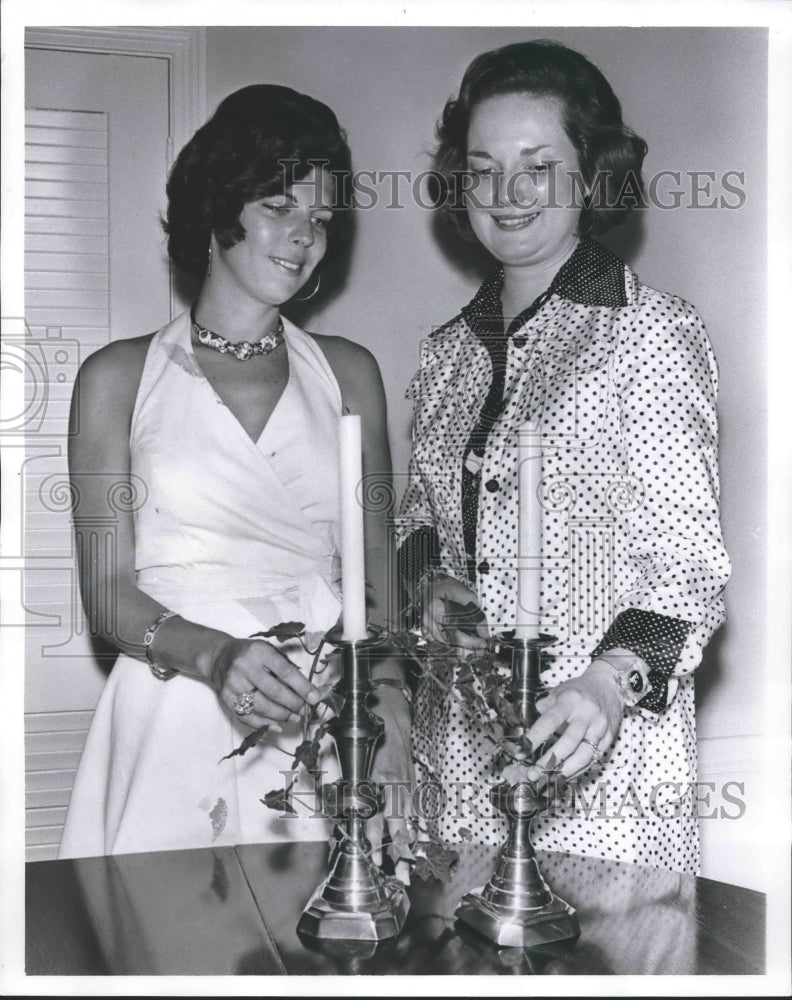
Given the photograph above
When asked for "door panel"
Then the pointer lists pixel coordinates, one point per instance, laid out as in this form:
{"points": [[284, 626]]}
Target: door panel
{"points": [[95, 270]]}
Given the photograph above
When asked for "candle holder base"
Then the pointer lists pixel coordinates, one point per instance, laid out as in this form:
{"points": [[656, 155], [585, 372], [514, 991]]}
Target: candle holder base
{"points": [[554, 921], [362, 905]]}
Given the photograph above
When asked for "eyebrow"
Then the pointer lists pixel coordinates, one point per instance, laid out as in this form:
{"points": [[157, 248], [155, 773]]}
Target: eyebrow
{"points": [[293, 201], [525, 151]]}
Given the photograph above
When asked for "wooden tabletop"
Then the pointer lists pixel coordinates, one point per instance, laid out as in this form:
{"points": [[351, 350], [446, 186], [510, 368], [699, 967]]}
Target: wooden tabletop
{"points": [[233, 911]]}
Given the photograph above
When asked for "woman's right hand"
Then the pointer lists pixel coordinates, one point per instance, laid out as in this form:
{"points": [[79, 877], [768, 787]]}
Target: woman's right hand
{"points": [[442, 600], [279, 689]]}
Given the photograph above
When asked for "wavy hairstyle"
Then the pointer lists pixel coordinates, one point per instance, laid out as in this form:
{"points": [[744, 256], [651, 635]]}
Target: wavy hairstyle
{"points": [[610, 155], [260, 140]]}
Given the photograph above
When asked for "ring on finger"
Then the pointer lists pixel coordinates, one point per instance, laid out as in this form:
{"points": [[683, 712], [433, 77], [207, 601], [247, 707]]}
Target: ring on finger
{"points": [[243, 703], [597, 755]]}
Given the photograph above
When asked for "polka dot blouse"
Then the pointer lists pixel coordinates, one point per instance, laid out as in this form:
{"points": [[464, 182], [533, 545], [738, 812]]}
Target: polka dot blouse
{"points": [[622, 380]]}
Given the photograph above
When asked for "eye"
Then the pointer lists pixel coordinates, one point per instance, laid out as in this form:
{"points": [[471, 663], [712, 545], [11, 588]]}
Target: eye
{"points": [[538, 168], [322, 221], [275, 208], [483, 171]]}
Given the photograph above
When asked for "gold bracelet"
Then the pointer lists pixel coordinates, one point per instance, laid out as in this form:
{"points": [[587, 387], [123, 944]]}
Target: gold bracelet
{"points": [[161, 673]]}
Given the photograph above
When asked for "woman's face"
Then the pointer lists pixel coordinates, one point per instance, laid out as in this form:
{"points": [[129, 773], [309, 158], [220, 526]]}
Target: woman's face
{"points": [[524, 205], [285, 238]]}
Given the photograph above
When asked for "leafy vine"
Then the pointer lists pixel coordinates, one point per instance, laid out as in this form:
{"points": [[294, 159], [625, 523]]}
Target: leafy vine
{"points": [[476, 680]]}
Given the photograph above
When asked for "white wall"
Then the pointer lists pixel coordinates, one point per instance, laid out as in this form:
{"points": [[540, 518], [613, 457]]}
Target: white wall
{"points": [[698, 96]]}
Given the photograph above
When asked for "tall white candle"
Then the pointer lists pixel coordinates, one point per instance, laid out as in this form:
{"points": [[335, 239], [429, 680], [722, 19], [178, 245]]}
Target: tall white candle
{"points": [[353, 563], [529, 547]]}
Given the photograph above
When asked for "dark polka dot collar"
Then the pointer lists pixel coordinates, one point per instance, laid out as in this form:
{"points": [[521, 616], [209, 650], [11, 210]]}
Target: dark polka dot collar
{"points": [[592, 276]]}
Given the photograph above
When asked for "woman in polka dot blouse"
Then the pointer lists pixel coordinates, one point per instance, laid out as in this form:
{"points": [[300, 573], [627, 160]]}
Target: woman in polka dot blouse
{"points": [[622, 382]]}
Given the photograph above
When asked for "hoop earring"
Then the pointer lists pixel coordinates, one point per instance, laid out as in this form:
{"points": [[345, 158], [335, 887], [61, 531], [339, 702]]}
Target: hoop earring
{"points": [[304, 298]]}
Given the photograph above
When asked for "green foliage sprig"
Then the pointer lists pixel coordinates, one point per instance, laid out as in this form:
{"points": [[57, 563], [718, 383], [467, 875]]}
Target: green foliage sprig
{"points": [[477, 680]]}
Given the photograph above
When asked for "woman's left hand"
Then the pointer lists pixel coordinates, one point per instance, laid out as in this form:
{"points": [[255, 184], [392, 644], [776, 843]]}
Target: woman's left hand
{"points": [[585, 714], [393, 769]]}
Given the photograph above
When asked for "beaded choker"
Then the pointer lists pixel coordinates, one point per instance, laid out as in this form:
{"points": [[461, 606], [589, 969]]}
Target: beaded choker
{"points": [[242, 349]]}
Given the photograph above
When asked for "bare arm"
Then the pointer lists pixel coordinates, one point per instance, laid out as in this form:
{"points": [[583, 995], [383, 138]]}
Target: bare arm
{"points": [[359, 379], [117, 609]]}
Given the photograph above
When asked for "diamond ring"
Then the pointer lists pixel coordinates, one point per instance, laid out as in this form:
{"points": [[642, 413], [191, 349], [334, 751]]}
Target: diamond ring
{"points": [[243, 704], [597, 755]]}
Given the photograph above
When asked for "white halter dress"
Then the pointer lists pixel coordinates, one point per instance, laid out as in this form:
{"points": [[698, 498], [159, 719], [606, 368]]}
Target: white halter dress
{"points": [[237, 535]]}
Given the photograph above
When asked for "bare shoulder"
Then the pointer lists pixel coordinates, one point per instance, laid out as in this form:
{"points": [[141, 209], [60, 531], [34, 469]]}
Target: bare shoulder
{"points": [[115, 368], [346, 354], [355, 369], [106, 389]]}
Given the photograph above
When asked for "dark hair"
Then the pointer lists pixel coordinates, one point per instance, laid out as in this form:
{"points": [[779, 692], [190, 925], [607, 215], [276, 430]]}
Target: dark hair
{"points": [[610, 154], [258, 142]]}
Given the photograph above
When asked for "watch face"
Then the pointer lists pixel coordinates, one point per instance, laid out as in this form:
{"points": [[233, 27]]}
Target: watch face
{"points": [[635, 680]]}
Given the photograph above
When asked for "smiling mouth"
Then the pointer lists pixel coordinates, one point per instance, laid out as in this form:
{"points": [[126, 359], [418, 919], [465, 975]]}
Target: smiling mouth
{"points": [[509, 223], [288, 265]]}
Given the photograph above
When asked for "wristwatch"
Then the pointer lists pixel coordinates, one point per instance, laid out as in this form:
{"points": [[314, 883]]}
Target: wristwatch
{"points": [[630, 673]]}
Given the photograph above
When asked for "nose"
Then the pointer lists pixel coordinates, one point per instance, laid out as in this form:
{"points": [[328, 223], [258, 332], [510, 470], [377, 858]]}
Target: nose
{"points": [[519, 190], [303, 233]]}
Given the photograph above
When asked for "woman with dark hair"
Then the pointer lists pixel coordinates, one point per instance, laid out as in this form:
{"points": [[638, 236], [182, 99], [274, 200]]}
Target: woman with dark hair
{"points": [[617, 382], [211, 448]]}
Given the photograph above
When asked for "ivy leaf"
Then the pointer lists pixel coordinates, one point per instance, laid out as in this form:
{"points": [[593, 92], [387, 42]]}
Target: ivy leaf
{"points": [[249, 741], [280, 799], [408, 641], [399, 848], [321, 730], [507, 713], [286, 630], [496, 732], [491, 683], [437, 862], [307, 754], [468, 695]]}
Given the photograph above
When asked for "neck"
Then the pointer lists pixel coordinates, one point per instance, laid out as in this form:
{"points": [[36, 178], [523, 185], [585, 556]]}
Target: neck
{"points": [[523, 284], [243, 321]]}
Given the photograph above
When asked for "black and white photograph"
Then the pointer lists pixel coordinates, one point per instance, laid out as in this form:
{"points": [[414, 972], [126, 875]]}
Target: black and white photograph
{"points": [[397, 497]]}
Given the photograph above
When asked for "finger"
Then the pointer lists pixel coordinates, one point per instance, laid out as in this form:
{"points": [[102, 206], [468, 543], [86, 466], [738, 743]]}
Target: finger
{"points": [[553, 720], [290, 676], [465, 640], [258, 714], [562, 748], [431, 625], [266, 708], [584, 758]]}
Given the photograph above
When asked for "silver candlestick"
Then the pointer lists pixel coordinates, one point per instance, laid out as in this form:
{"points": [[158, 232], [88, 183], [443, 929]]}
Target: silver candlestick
{"points": [[516, 908], [356, 902]]}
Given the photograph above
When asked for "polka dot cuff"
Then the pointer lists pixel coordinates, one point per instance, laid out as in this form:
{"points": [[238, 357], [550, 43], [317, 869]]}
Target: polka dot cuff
{"points": [[657, 639]]}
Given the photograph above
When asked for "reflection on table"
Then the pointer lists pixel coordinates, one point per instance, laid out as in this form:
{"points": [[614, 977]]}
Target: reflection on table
{"points": [[233, 911]]}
